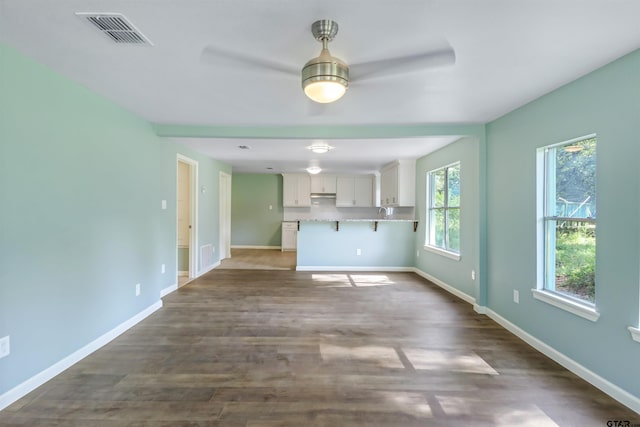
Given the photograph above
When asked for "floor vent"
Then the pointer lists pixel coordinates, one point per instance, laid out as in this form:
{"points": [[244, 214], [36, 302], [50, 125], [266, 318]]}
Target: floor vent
{"points": [[206, 256], [116, 26]]}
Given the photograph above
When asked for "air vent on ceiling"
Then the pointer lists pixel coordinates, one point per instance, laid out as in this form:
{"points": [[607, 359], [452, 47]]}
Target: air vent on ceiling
{"points": [[116, 26]]}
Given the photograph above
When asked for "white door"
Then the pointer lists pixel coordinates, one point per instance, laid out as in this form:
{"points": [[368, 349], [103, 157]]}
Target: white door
{"points": [[184, 217], [225, 215], [187, 217]]}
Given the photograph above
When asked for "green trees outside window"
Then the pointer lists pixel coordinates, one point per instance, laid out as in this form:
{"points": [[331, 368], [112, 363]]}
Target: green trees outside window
{"points": [[443, 203], [570, 218]]}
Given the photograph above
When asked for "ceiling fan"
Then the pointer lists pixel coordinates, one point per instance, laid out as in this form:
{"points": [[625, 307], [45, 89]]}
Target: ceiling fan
{"points": [[326, 78]]}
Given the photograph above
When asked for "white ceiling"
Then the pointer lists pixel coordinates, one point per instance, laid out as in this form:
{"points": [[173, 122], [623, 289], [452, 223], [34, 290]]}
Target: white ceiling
{"points": [[507, 53]]}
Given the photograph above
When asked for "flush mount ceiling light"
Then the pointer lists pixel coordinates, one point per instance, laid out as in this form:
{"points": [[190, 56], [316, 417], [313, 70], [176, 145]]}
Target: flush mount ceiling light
{"points": [[320, 147], [325, 78], [314, 170]]}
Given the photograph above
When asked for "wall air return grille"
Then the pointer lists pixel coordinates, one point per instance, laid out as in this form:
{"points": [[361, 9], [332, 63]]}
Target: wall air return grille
{"points": [[116, 26]]}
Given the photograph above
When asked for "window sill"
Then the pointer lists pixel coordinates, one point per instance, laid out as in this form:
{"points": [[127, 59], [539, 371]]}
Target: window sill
{"points": [[566, 304], [635, 333], [448, 254]]}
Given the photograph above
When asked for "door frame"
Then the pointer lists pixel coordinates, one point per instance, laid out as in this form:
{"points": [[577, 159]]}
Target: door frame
{"points": [[225, 215], [193, 213]]}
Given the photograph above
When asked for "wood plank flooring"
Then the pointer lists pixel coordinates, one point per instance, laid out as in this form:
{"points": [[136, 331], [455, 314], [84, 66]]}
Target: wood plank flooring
{"points": [[259, 259], [286, 348]]}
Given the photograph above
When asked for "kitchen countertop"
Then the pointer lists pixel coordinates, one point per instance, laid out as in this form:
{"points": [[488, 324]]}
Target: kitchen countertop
{"points": [[354, 220]]}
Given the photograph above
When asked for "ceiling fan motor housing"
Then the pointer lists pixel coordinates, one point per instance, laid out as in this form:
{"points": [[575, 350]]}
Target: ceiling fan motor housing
{"points": [[325, 68]]}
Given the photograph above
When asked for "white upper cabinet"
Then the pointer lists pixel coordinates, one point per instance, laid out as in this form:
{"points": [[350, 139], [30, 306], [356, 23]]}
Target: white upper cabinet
{"points": [[323, 183], [354, 191], [398, 183], [296, 190]]}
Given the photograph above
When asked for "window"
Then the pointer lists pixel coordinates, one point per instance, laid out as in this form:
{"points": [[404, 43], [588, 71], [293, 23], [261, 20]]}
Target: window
{"points": [[443, 206], [569, 219]]}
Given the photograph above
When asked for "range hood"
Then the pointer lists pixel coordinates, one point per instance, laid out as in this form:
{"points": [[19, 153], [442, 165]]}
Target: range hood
{"points": [[323, 195]]}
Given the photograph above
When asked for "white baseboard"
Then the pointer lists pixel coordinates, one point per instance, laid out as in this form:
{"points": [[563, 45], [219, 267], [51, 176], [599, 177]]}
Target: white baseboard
{"points": [[183, 273], [471, 300], [609, 388], [208, 269], [254, 247], [480, 309], [351, 268], [37, 380], [166, 291]]}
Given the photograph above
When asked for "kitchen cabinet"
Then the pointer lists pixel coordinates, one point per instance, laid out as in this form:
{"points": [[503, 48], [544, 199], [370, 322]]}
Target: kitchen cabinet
{"points": [[289, 236], [323, 183], [296, 190], [354, 191], [398, 183]]}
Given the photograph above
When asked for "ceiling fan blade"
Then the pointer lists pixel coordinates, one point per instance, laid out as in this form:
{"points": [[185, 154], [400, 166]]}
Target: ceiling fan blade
{"points": [[441, 57], [213, 55], [316, 108]]}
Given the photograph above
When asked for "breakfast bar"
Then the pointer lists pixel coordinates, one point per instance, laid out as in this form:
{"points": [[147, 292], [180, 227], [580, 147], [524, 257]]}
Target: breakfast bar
{"points": [[356, 244]]}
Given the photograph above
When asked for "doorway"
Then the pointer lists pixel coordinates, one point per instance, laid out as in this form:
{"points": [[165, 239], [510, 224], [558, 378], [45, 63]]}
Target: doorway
{"points": [[225, 215], [187, 219]]}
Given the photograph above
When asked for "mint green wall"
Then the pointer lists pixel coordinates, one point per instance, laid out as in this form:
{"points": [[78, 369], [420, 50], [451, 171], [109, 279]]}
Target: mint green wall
{"points": [[81, 184], [454, 273], [319, 244], [605, 102], [252, 223]]}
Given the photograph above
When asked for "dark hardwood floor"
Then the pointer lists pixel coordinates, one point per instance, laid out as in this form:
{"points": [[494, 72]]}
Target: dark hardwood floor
{"points": [[286, 348]]}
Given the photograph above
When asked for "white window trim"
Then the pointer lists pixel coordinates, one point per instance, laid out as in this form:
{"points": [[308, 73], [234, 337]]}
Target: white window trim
{"points": [[584, 310], [635, 333], [567, 304], [445, 253], [427, 246]]}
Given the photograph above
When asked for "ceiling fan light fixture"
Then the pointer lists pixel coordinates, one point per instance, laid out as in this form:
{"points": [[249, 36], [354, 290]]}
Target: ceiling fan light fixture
{"points": [[314, 170], [325, 92], [325, 78]]}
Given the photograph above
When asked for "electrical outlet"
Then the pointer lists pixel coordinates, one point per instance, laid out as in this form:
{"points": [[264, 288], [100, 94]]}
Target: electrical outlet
{"points": [[5, 346], [473, 275], [516, 296], [137, 289], [358, 251], [418, 254], [162, 269], [163, 204]]}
